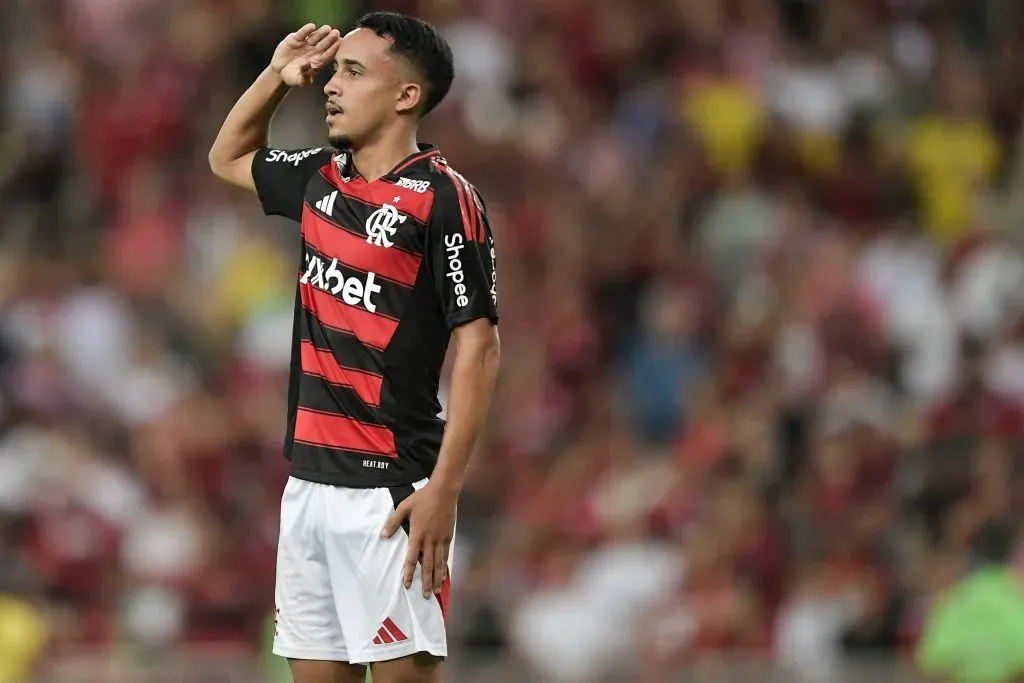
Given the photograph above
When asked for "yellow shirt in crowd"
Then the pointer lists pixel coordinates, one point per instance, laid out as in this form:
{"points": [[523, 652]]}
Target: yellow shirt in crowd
{"points": [[729, 120], [23, 634], [256, 276], [951, 159]]}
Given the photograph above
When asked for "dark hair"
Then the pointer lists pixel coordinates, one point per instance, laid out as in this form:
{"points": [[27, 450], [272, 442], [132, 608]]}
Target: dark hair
{"points": [[421, 45], [993, 542]]}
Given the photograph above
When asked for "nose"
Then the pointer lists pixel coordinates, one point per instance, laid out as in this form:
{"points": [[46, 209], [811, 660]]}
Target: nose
{"points": [[333, 86]]}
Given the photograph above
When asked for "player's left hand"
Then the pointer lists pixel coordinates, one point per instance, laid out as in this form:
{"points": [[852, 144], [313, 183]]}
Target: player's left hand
{"points": [[431, 515]]}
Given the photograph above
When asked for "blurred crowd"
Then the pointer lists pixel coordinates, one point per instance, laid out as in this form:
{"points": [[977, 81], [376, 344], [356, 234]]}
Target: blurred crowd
{"points": [[762, 298]]}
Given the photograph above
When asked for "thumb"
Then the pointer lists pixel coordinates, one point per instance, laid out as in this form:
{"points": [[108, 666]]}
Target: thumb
{"points": [[395, 521]]}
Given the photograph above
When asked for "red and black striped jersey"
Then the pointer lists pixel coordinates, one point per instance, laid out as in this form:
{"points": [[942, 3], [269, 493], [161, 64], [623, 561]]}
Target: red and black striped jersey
{"points": [[388, 269]]}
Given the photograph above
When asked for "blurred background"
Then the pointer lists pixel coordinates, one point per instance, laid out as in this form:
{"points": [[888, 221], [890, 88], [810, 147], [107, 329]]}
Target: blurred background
{"points": [[761, 289]]}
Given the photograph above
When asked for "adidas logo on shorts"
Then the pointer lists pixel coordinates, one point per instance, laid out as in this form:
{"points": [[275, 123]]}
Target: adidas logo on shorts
{"points": [[389, 633]]}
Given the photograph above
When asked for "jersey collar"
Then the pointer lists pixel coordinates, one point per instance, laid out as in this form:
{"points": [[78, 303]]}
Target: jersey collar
{"points": [[347, 168]]}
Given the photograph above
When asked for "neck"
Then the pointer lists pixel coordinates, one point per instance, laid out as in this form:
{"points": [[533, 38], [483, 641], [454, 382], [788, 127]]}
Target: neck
{"points": [[376, 158]]}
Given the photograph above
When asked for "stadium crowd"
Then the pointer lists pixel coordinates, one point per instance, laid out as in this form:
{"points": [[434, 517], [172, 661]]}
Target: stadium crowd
{"points": [[761, 287]]}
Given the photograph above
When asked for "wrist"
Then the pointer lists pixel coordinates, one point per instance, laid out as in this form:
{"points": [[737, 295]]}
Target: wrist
{"points": [[446, 483], [274, 73]]}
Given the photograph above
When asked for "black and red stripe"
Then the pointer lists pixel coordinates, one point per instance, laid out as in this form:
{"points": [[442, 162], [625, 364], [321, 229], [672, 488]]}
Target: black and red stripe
{"points": [[340, 432], [363, 393], [344, 345], [323, 363], [351, 249], [469, 205], [389, 300], [372, 329], [420, 156], [414, 205], [321, 396]]}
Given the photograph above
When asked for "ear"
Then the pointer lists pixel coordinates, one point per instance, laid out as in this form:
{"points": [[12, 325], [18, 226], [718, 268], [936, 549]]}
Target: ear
{"points": [[410, 97]]}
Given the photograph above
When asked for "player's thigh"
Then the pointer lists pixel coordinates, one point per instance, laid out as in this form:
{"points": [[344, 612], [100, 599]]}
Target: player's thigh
{"points": [[310, 671], [417, 668], [381, 619], [306, 622]]}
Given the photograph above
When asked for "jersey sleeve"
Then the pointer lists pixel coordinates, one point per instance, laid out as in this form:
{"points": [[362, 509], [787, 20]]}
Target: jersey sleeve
{"points": [[281, 176], [460, 249]]}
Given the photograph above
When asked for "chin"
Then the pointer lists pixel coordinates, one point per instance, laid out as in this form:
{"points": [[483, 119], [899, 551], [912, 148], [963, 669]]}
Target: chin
{"points": [[339, 140]]}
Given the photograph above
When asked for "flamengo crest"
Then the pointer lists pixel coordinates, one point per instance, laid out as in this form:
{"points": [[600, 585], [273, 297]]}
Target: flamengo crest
{"points": [[381, 225]]}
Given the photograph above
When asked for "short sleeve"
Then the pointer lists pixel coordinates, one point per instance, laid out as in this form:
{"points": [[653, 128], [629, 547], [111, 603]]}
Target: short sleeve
{"points": [[461, 253], [281, 177]]}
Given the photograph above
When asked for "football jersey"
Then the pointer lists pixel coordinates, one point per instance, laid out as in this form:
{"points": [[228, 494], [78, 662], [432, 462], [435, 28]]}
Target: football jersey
{"points": [[388, 268]]}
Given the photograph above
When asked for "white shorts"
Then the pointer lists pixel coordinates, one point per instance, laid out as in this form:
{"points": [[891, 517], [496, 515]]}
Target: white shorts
{"points": [[339, 594]]}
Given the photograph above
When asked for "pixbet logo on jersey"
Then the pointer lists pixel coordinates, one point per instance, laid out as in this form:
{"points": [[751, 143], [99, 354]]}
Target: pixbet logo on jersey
{"points": [[354, 291], [453, 245], [381, 225], [295, 158]]}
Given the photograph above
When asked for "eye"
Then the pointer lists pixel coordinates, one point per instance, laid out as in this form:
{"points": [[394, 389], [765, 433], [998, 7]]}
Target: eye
{"points": [[352, 71]]}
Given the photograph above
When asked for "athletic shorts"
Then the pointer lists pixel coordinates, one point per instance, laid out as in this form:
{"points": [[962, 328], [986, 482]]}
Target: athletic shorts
{"points": [[339, 594]]}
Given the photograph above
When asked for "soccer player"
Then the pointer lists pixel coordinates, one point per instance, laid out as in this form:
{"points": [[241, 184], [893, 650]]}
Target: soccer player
{"points": [[397, 258]]}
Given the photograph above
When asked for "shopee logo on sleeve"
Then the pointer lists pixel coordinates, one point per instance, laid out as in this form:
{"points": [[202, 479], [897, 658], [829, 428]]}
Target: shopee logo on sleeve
{"points": [[494, 272], [454, 244], [295, 158]]}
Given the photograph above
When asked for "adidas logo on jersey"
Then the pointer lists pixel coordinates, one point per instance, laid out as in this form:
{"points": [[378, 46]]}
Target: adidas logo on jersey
{"points": [[326, 205]]}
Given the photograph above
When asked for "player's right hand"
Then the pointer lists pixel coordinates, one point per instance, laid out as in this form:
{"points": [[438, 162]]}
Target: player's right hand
{"points": [[302, 54]]}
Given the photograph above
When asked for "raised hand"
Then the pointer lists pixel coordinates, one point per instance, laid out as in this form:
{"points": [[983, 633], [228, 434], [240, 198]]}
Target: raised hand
{"points": [[302, 54]]}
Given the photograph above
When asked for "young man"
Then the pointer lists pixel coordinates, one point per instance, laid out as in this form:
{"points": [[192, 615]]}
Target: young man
{"points": [[397, 257]]}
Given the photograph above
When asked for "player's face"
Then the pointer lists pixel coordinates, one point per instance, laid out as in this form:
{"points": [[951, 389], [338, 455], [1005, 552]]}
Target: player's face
{"points": [[363, 95]]}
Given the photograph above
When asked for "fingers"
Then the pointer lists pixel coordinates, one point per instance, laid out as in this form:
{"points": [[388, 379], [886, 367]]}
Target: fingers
{"points": [[298, 39], [435, 566], [428, 570], [328, 54], [329, 38], [440, 564], [316, 36], [306, 72], [395, 521], [412, 558]]}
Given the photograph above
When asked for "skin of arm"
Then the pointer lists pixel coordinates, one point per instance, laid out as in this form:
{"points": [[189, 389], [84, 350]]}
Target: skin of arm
{"points": [[295, 63], [431, 510], [246, 129]]}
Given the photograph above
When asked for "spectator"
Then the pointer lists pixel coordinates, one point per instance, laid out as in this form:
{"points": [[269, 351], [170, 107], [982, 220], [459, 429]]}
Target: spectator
{"points": [[974, 630]]}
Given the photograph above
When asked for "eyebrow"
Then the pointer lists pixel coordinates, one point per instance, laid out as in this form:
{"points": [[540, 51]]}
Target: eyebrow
{"points": [[352, 62]]}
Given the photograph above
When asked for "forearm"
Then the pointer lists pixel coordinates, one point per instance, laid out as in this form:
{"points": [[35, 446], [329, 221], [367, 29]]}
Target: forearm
{"points": [[247, 126], [473, 375]]}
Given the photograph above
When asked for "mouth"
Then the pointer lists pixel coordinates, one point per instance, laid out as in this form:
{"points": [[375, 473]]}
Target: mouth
{"points": [[333, 111]]}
